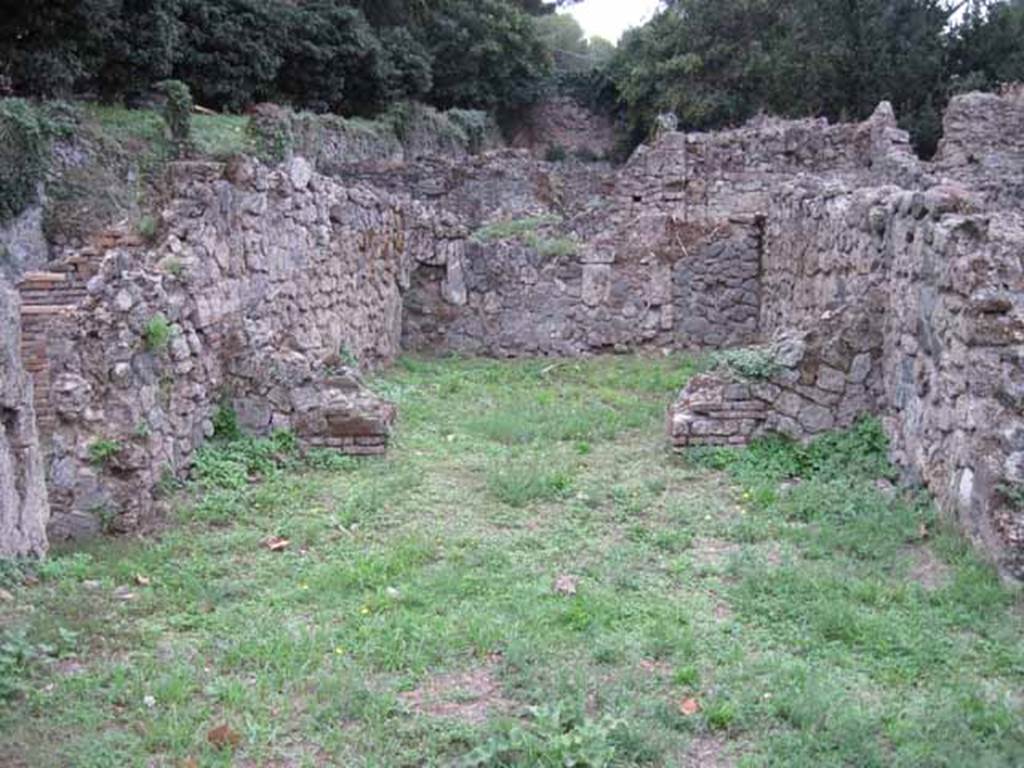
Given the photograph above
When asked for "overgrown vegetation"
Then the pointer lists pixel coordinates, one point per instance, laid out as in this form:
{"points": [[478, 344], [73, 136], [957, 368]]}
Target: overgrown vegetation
{"points": [[24, 144], [349, 57], [536, 232], [178, 115], [719, 62], [528, 579]]}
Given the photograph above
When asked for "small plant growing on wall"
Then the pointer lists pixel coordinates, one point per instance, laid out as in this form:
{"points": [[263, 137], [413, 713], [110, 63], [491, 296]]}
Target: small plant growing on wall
{"points": [[178, 115], [147, 227], [750, 362], [1013, 493], [103, 451], [556, 154], [225, 423], [157, 333]]}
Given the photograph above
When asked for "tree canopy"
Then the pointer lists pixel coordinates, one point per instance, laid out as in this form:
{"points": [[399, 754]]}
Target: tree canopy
{"points": [[347, 56], [714, 63], [718, 62]]}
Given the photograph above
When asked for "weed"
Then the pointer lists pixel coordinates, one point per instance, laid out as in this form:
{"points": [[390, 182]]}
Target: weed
{"points": [[556, 154], [103, 451], [157, 333], [175, 268], [514, 229], [520, 483], [225, 423], [552, 738], [147, 227], [750, 363], [1013, 493]]}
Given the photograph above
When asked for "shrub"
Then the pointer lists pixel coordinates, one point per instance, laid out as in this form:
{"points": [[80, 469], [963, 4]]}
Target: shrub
{"points": [[475, 123], [178, 115], [24, 148]]}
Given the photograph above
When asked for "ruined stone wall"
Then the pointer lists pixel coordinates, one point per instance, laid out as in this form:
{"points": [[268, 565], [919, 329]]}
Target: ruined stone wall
{"points": [[517, 298], [24, 510], [712, 176], [826, 246], [804, 383], [560, 123], [982, 145], [942, 281], [954, 365], [258, 293]]}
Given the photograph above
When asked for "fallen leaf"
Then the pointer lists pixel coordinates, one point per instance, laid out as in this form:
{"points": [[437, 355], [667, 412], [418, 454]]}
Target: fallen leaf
{"points": [[224, 737], [6, 596], [566, 585], [689, 707], [142, 581], [190, 762], [922, 531], [276, 543]]}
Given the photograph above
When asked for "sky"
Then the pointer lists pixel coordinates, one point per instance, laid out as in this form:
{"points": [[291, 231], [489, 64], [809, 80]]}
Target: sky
{"points": [[610, 18]]}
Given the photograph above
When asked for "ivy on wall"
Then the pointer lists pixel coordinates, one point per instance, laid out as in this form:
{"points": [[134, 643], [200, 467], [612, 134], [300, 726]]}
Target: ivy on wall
{"points": [[24, 149]]}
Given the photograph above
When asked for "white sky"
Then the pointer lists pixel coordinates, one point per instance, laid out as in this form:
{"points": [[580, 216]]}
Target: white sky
{"points": [[610, 18]]}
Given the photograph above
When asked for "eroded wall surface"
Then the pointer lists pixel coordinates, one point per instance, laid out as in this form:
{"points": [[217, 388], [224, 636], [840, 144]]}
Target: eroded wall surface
{"points": [[940, 268], [24, 508], [263, 289]]}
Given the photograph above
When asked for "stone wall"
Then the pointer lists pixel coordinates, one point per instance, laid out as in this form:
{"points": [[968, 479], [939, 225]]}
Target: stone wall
{"points": [[560, 123], [24, 510], [954, 365], [528, 298], [667, 253], [261, 289], [22, 244], [941, 283], [804, 383], [826, 246], [712, 176], [982, 145]]}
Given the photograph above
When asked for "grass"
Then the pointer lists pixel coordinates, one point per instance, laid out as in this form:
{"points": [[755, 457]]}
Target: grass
{"points": [[778, 594], [527, 231], [120, 173], [214, 136]]}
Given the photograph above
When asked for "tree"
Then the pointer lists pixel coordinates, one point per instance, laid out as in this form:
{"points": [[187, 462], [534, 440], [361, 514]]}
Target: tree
{"points": [[988, 47], [486, 54], [231, 50], [331, 59], [48, 47], [561, 32], [140, 48], [718, 62]]}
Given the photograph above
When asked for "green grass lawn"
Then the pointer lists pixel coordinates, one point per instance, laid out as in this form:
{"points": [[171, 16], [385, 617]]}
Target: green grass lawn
{"points": [[529, 578]]}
